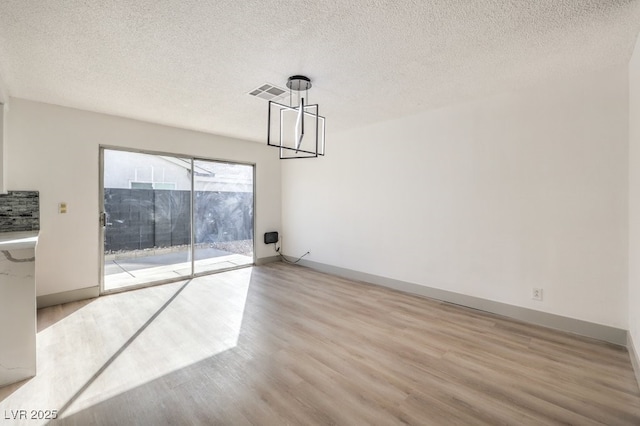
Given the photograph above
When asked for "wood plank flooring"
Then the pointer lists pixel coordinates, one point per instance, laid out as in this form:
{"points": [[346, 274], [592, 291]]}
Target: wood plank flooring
{"points": [[280, 344]]}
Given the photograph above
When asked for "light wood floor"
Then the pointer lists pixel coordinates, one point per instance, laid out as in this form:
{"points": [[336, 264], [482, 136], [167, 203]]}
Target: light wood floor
{"points": [[279, 344]]}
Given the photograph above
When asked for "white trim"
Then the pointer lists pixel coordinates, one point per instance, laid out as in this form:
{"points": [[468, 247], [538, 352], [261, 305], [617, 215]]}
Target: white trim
{"points": [[67, 296], [584, 328], [4, 91], [3, 147], [633, 355], [265, 260]]}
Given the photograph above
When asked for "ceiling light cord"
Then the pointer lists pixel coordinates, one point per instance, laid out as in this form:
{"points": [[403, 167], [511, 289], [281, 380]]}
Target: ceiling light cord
{"points": [[284, 258]]}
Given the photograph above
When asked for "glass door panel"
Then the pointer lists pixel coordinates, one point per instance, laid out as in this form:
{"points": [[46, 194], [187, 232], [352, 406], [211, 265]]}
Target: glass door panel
{"points": [[147, 220], [223, 215]]}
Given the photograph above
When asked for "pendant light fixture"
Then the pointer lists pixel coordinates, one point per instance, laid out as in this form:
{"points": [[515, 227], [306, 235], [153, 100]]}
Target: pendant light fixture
{"points": [[296, 129]]}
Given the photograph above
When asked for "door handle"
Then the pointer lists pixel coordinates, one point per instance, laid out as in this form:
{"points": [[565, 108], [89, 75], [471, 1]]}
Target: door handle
{"points": [[103, 219]]}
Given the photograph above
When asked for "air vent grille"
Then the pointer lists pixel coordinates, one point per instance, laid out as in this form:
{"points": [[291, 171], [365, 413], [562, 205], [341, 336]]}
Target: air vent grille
{"points": [[269, 92]]}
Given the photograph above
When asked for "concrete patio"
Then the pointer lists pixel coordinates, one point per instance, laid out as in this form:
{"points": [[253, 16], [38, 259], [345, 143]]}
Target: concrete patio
{"points": [[122, 271]]}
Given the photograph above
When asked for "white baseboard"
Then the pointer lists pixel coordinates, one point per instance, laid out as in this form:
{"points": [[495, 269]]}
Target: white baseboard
{"points": [[635, 361], [580, 327], [265, 260], [67, 296], [91, 292], [583, 328]]}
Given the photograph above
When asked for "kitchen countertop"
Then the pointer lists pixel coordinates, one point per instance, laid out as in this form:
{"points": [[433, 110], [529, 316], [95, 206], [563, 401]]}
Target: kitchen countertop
{"points": [[18, 240]]}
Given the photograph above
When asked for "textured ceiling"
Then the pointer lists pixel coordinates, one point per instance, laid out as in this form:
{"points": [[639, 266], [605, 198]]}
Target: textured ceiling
{"points": [[190, 63]]}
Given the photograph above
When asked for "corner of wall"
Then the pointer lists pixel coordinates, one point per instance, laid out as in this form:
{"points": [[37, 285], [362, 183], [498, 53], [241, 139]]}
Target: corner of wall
{"points": [[4, 91], [633, 355], [265, 260], [633, 289], [3, 147], [67, 297]]}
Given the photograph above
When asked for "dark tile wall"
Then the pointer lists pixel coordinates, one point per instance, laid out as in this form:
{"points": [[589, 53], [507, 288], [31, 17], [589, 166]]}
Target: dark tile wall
{"points": [[145, 218], [20, 211]]}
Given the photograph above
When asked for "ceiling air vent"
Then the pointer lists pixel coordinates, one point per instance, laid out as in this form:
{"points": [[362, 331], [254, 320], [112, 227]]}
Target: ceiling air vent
{"points": [[269, 92]]}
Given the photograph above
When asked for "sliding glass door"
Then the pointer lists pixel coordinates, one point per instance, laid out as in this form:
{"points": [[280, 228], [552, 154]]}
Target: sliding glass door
{"points": [[223, 213], [172, 217]]}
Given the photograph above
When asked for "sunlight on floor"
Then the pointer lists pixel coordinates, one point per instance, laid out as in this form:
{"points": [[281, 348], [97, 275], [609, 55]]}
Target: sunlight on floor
{"points": [[119, 342]]}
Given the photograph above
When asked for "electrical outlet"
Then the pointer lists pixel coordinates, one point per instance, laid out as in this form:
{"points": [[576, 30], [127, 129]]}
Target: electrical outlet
{"points": [[536, 294]]}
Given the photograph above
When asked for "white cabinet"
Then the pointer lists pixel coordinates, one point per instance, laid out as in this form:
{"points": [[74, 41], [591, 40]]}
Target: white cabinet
{"points": [[17, 306]]}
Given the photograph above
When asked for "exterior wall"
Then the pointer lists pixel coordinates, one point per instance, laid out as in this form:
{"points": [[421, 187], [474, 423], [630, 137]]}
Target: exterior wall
{"points": [[122, 168]]}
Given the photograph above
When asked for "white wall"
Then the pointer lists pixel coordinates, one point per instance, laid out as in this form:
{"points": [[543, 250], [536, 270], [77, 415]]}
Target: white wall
{"points": [[634, 197], [55, 150], [488, 198], [4, 101], [3, 158]]}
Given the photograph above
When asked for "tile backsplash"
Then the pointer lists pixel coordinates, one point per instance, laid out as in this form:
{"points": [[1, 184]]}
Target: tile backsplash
{"points": [[20, 211]]}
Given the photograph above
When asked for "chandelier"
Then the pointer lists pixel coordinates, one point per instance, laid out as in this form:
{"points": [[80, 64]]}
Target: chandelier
{"points": [[297, 130]]}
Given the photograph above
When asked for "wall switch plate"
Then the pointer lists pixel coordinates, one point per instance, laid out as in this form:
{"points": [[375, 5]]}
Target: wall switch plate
{"points": [[62, 208], [536, 294]]}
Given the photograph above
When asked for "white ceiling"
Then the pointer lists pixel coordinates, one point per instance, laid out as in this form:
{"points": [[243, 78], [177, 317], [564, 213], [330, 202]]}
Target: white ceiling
{"points": [[191, 63]]}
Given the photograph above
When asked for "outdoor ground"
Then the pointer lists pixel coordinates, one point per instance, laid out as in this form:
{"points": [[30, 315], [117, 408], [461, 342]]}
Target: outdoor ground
{"points": [[135, 267]]}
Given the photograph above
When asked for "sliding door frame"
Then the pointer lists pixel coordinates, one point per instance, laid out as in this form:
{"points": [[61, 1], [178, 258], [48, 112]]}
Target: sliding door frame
{"points": [[192, 159]]}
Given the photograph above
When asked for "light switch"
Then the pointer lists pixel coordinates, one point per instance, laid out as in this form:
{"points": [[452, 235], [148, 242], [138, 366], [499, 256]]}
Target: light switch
{"points": [[62, 207]]}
